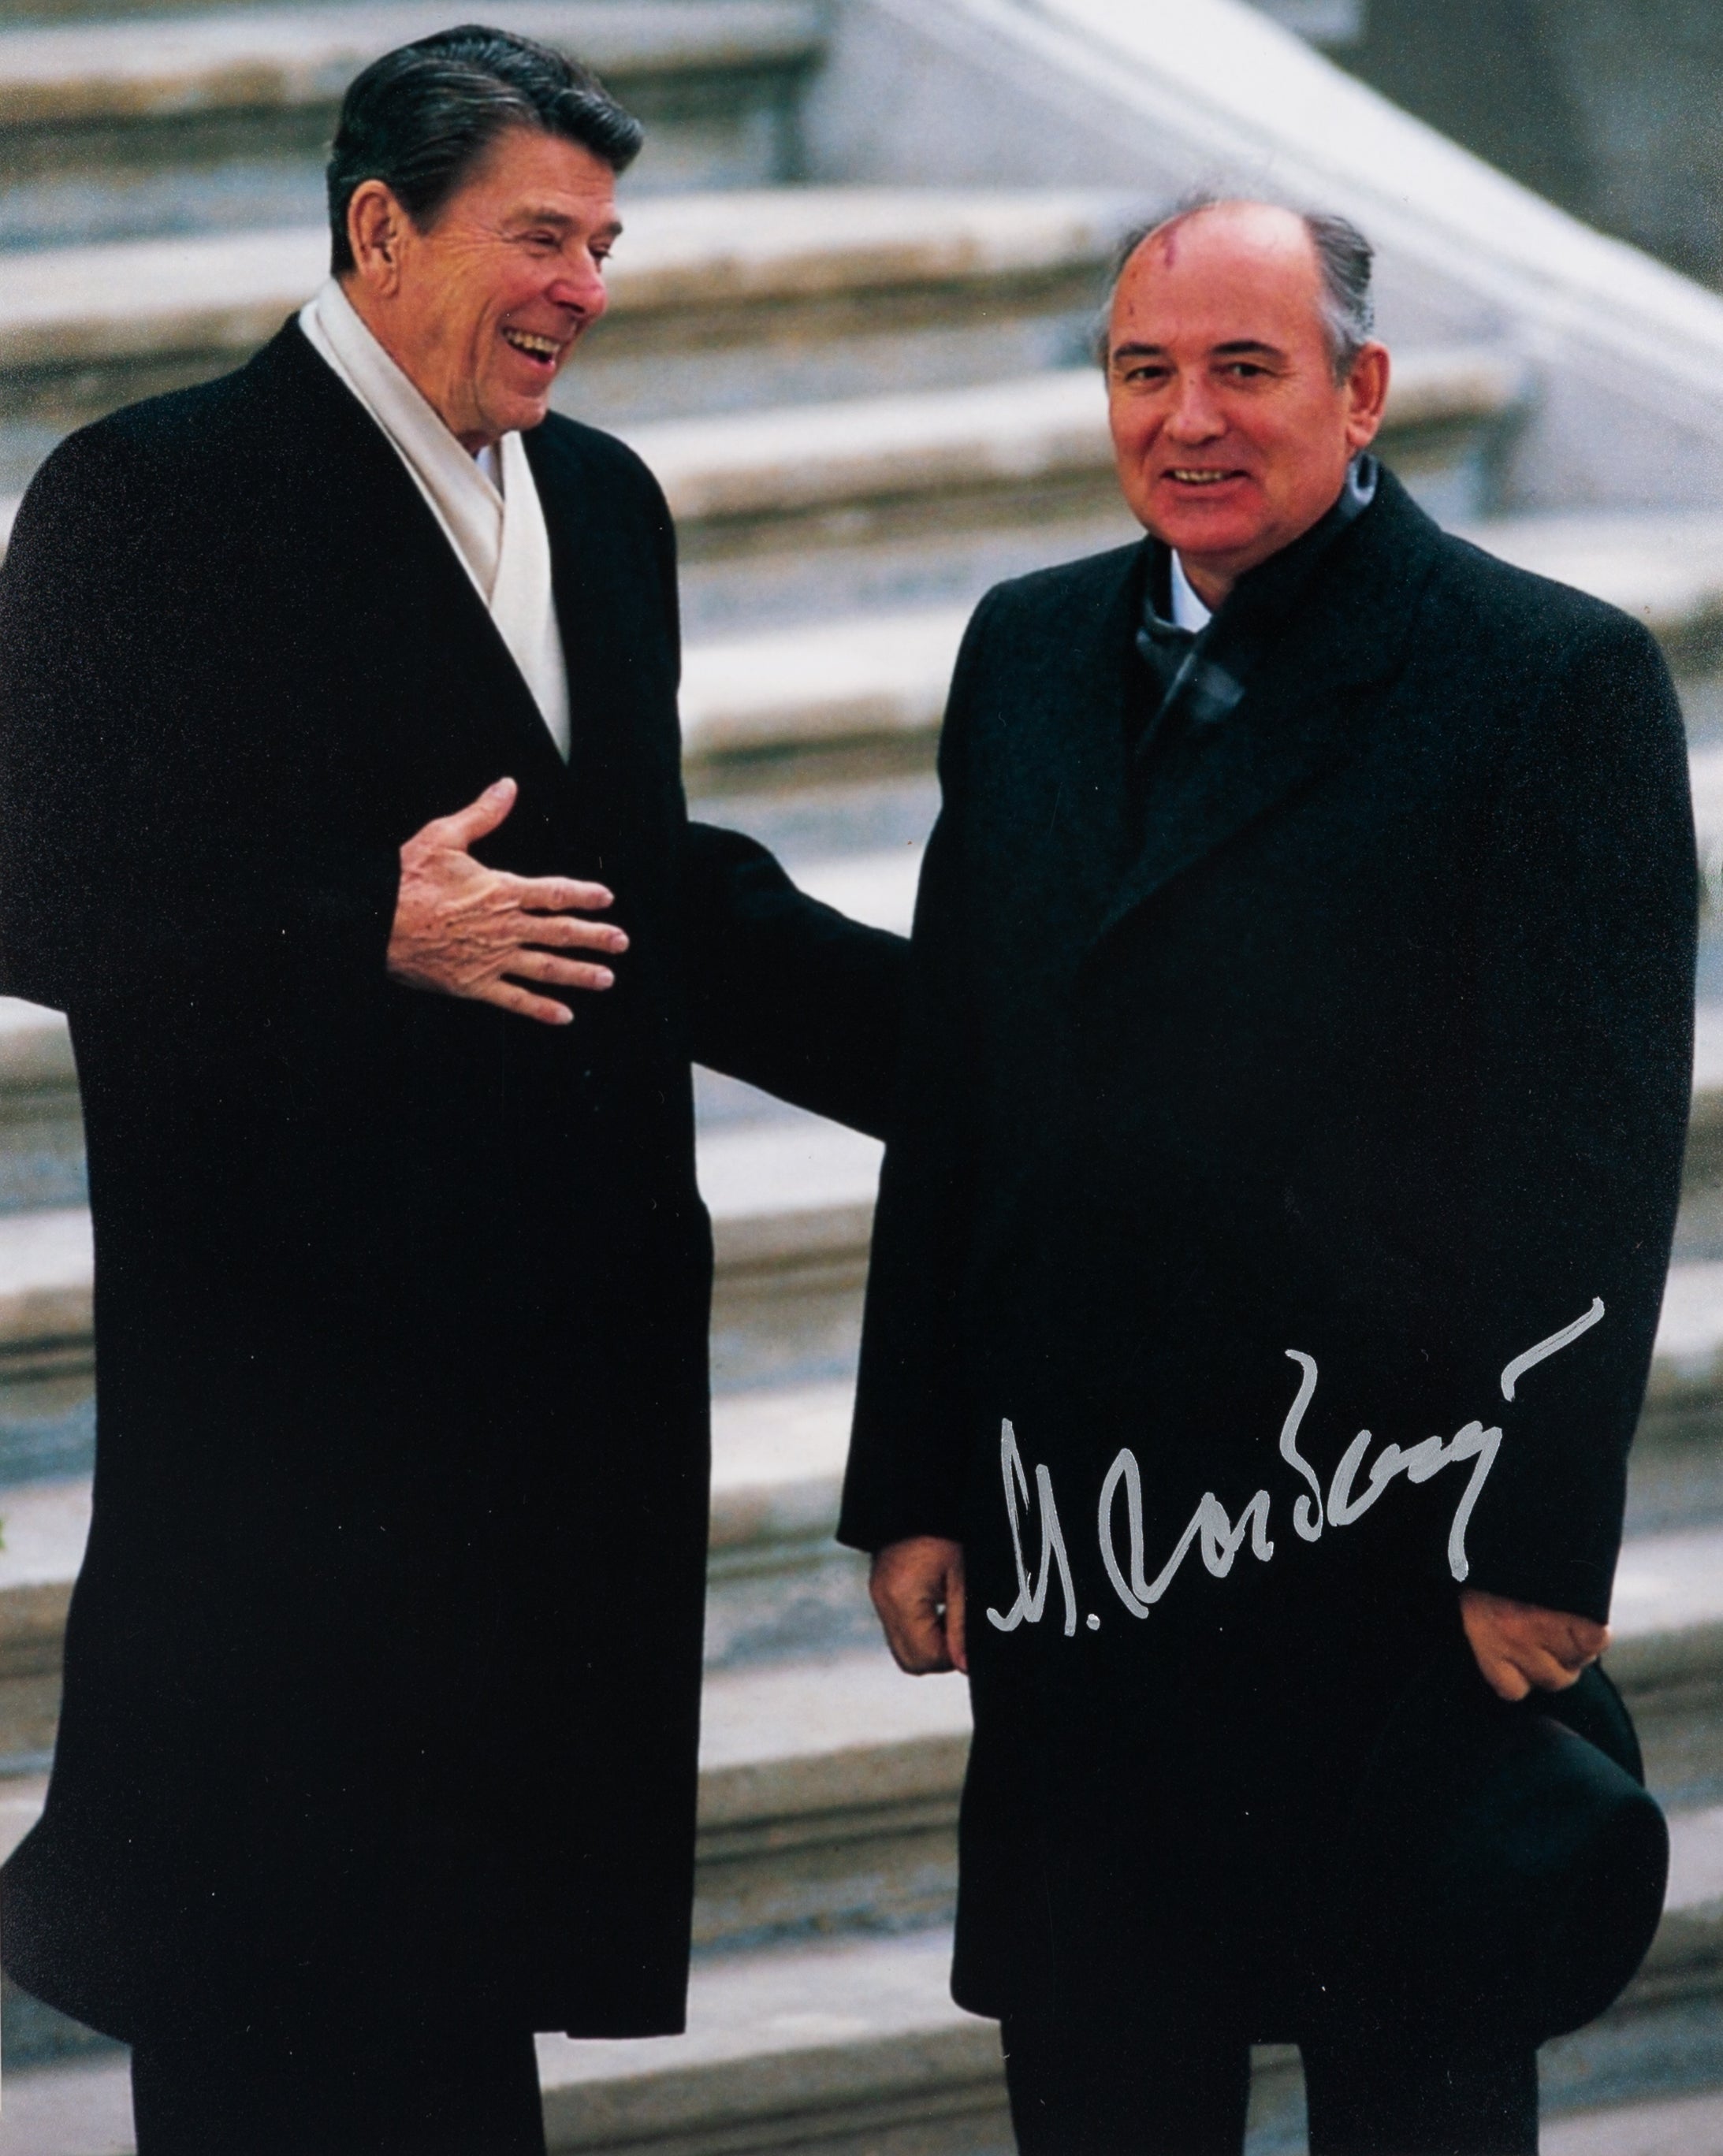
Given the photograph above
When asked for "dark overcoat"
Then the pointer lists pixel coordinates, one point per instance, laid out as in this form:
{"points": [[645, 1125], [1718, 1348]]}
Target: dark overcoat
{"points": [[1245, 1150], [383, 1664]]}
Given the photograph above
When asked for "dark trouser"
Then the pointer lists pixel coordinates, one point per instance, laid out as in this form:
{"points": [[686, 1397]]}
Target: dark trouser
{"points": [[379, 2089], [1172, 2092]]}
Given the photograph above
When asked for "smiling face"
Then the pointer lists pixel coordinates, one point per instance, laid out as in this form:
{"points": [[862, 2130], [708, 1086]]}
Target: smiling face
{"points": [[1231, 433], [481, 308]]}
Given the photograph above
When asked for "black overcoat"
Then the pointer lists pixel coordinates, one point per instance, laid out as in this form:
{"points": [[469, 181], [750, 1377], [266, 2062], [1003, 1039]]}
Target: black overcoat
{"points": [[383, 1664], [1302, 1110]]}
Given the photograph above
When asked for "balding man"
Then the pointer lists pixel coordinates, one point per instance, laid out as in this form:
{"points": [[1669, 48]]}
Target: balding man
{"points": [[1267, 1264]]}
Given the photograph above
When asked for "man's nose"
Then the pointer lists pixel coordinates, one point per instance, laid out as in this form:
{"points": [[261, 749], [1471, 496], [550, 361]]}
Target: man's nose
{"points": [[1194, 416], [580, 287]]}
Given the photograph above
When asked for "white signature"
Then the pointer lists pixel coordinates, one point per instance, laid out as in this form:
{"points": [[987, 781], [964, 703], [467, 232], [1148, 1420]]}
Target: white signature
{"points": [[1219, 1536]]}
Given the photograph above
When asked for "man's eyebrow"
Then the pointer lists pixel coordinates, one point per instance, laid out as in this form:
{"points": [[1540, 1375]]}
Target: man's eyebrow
{"points": [[564, 223], [1235, 348]]}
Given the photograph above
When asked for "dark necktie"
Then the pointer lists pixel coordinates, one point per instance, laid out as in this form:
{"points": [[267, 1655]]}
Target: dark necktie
{"points": [[1196, 679]]}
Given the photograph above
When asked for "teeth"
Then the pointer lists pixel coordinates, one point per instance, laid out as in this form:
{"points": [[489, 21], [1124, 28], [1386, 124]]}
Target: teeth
{"points": [[540, 347], [1199, 478]]}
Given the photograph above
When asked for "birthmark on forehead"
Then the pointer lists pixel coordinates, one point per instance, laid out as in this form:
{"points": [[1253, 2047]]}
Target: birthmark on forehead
{"points": [[1168, 248]]}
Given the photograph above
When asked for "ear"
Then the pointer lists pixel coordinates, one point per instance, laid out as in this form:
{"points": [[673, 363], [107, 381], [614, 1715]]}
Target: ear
{"points": [[1366, 395], [376, 226]]}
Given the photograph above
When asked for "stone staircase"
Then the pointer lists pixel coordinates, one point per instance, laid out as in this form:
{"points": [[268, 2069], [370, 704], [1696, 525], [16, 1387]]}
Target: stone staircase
{"points": [[865, 403]]}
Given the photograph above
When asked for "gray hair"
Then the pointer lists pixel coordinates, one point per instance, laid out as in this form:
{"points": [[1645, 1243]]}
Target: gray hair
{"points": [[1344, 257]]}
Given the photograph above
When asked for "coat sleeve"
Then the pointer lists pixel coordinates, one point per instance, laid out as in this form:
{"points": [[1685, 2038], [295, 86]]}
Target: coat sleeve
{"points": [[1585, 913], [910, 1443], [155, 832], [785, 992]]}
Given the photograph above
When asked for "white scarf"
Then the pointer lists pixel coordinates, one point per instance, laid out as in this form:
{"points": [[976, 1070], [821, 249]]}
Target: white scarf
{"points": [[488, 506]]}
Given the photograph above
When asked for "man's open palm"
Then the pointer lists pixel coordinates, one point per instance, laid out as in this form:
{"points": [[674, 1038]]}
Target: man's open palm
{"points": [[461, 929]]}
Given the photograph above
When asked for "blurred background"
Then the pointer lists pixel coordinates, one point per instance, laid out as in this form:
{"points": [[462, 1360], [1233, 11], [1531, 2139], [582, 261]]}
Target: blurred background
{"points": [[1609, 107], [864, 249]]}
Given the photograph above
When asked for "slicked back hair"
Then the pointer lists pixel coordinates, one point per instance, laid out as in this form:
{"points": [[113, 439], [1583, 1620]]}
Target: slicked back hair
{"points": [[1344, 256], [421, 119]]}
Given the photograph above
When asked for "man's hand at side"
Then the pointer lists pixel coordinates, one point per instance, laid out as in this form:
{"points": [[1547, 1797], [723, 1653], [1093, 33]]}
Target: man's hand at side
{"points": [[918, 1590], [464, 929], [1519, 1647]]}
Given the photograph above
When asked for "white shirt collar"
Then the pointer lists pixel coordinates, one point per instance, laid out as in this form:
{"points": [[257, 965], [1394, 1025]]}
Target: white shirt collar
{"points": [[1189, 611]]}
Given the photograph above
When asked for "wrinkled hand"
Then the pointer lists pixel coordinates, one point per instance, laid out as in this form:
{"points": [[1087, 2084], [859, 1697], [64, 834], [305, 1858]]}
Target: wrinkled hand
{"points": [[461, 929], [918, 1590], [1519, 1646]]}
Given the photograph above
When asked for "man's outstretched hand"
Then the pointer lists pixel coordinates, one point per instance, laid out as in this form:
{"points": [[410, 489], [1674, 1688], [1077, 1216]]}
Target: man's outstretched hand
{"points": [[1519, 1647], [918, 1590], [464, 929]]}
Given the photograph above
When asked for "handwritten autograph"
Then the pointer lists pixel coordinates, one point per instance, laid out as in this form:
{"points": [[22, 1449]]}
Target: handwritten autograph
{"points": [[1211, 1528]]}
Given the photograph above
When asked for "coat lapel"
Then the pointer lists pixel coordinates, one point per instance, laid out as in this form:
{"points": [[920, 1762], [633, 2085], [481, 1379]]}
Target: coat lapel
{"points": [[389, 519], [574, 575], [1070, 691], [1306, 710], [622, 663]]}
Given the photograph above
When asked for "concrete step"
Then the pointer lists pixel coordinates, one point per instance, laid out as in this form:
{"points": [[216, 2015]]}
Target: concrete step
{"points": [[1705, 764], [45, 1526], [779, 1587], [877, 681], [880, 679], [1679, 1464], [41, 1126], [792, 1207], [865, 680], [111, 130], [1667, 1656], [920, 490], [1666, 567], [828, 1803], [850, 2045], [878, 888], [1703, 1169], [792, 1201], [1667, 1618], [46, 1262], [828, 1797], [788, 294], [1676, 2126], [853, 2044], [847, 2047]]}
